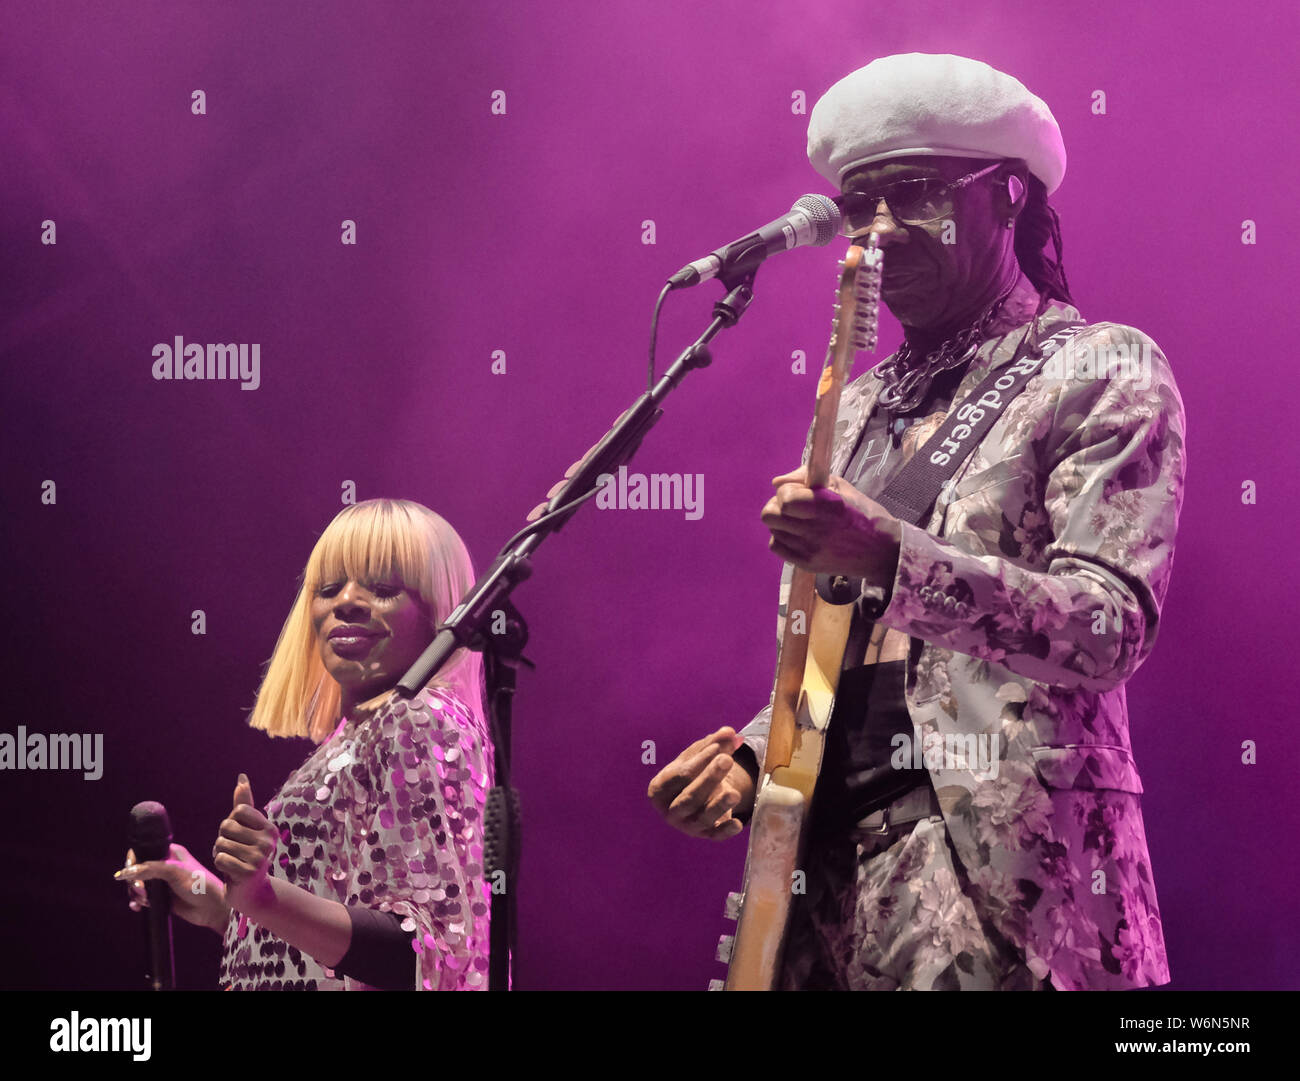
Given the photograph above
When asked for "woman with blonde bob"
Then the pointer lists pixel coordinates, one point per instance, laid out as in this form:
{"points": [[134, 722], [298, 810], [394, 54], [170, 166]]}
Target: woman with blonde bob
{"points": [[366, 870]]}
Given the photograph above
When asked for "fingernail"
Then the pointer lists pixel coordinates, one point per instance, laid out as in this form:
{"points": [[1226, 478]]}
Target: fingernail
{"points": [[243, 779], [123, 873]]}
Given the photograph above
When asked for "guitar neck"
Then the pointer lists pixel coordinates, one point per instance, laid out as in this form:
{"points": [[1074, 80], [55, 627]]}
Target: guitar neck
{"points": [[854, 328], [807, 676]]}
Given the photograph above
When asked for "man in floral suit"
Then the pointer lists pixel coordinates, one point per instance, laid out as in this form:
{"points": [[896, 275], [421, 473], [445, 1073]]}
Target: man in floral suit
{"points": [[1008, 622]]}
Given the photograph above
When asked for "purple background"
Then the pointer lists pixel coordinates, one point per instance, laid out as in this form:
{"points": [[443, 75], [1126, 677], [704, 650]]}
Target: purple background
{"points": [[523, 233]]}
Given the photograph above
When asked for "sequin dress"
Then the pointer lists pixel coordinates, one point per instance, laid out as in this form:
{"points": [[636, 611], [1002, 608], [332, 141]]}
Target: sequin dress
{"points": [[388, 814]]}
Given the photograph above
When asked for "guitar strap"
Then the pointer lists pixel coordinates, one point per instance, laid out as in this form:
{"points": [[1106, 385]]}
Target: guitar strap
{"points": [[911, 494]]}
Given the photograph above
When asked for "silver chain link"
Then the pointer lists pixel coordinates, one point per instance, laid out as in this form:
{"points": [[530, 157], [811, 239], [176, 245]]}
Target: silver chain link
{"points": [[907, 380]]}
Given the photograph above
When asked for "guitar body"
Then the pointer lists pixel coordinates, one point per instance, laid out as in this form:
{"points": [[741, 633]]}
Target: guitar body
{"points": [[807, 677], [782, 809]]}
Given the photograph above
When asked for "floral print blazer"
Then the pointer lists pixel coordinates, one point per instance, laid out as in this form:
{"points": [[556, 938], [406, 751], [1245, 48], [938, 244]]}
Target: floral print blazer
{"points": [[1031, 596]]}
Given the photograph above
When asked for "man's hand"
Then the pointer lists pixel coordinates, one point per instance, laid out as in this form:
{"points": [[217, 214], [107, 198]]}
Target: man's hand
{"points": [[700, 790], [832, 530], [243, 852]]}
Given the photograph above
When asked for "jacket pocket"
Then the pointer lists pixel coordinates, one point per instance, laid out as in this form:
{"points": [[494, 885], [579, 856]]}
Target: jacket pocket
{"points": [[1087, 766]]}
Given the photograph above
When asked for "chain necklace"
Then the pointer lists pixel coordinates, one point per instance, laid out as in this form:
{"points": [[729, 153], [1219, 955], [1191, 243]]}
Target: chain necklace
{"points": [[907, 379]]}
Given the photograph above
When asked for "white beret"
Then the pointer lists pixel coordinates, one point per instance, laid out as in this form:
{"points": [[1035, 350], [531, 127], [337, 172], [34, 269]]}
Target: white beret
{"points": [[923, 103]]}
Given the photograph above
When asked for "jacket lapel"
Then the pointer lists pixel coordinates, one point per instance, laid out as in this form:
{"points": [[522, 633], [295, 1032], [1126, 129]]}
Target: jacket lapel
{"points": [[856, 403]]}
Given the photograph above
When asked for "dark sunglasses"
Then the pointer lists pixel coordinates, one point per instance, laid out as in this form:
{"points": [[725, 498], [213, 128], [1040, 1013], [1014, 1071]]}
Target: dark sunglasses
{"points": [[910, 202]]}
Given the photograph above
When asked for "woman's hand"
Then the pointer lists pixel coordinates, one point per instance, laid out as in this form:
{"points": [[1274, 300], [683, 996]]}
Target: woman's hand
{"points": [[243, 851], [198, 896]]}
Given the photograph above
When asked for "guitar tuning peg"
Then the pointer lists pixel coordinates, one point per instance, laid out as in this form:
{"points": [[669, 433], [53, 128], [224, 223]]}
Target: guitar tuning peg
{"points": [[725, 943], [732, 908]]}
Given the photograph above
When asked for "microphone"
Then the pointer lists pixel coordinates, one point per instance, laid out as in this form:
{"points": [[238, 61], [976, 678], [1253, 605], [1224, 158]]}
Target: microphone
{"points": [[151, 839], [814, 219]]}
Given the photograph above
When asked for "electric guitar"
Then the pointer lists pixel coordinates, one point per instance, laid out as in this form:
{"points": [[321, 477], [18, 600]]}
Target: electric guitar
{"points": [[807, 675]]}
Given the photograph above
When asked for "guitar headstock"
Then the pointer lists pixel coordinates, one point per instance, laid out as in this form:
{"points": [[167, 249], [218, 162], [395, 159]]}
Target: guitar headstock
{"points": [[857, 314], [857, 302]]}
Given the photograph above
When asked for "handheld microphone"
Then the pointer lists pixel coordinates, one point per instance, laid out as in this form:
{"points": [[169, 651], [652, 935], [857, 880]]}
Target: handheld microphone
{"points": [[151, 839], [814, 219]]}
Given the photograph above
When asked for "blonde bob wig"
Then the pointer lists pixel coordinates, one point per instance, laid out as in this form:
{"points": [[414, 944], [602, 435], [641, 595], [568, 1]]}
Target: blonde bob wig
{"points": [[366, 542]]}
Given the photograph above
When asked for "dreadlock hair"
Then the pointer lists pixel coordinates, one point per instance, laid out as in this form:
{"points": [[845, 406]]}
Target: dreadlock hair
{"points": [[1037, 224]]}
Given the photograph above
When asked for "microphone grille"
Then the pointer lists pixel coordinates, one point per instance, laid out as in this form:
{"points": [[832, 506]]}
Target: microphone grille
{"points": [[150, 827], [824, 215]]}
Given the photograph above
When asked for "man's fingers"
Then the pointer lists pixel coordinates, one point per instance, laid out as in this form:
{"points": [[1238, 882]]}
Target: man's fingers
{"points": [[696, 795], [717, 809], [789, 539], [790, 551], [696, 766], [669, 782], [682, 770], [723, 737], [791, 519], [243, 791], [726, 830], [795, 501]]}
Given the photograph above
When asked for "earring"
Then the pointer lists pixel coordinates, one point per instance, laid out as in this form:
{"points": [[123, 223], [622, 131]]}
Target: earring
{"points": [[1011, 223]]}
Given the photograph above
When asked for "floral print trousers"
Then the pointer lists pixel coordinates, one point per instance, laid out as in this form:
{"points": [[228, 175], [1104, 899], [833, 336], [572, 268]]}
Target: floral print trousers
{"points": [[887, 912]]}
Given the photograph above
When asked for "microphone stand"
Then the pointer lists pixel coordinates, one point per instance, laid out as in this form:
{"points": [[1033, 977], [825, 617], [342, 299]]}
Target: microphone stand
{"points": [[486, 620]]}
